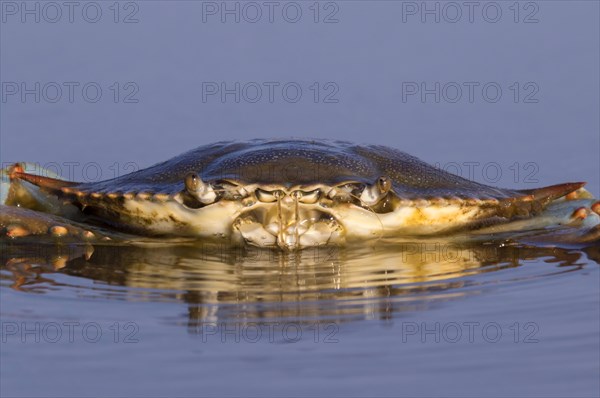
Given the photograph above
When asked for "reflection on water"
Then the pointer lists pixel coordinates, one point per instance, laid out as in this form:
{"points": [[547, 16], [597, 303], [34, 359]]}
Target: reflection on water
{"points": [[248, 285]]}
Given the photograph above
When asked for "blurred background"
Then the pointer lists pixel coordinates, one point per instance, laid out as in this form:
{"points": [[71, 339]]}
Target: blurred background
{"points": [[506, 93]]}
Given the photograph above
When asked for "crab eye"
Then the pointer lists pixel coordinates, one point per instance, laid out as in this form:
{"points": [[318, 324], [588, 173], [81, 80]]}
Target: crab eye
{"points": [[191, 182], [384, 184]]}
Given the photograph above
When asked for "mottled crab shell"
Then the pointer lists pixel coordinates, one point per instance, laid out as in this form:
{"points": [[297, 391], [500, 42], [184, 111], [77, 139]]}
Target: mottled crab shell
{"points": [[417, 199], [299, 163]]}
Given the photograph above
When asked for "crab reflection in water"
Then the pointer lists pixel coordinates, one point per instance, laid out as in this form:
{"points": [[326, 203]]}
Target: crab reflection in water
{"points": [[246, 284]]}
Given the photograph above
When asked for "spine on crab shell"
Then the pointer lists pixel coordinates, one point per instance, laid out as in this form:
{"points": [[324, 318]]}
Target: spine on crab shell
{"points": [[52, 185], [70, 190], [39, 180], [534, 200], [547, 194]]}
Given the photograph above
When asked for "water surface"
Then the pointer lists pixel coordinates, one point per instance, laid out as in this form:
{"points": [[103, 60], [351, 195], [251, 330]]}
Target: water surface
{"points": [[196, 315]]}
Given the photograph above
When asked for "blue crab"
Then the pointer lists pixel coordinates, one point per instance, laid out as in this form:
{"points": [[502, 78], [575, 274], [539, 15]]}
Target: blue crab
{"points": [[292, 194]]}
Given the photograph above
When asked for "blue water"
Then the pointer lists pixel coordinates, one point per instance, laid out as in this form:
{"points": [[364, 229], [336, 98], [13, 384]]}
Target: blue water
{"points": [[372, 312]]}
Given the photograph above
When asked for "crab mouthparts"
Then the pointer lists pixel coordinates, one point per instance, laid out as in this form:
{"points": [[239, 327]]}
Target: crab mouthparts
{"points": [[288, 224]]}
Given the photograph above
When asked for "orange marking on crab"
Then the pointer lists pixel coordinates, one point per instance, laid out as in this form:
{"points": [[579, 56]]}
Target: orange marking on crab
{"points": [[572, 196], [143, 195], [58, 231], [16, 231], [580, 214], [161, 197]]}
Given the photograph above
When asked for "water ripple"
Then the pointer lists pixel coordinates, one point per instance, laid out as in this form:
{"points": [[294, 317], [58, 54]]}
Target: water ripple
{"points": [[252, 284]]}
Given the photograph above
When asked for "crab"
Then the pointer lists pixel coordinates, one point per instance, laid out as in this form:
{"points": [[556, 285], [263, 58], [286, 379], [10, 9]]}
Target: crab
{"points": [[292, 194]]}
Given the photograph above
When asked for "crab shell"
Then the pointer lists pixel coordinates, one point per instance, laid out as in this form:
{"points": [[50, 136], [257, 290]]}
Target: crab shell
{"points": [[294, 194]]}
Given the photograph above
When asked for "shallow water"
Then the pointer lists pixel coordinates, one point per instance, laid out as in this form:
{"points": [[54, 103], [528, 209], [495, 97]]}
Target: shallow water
{"points": [[417, 321], [196, 315]]}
